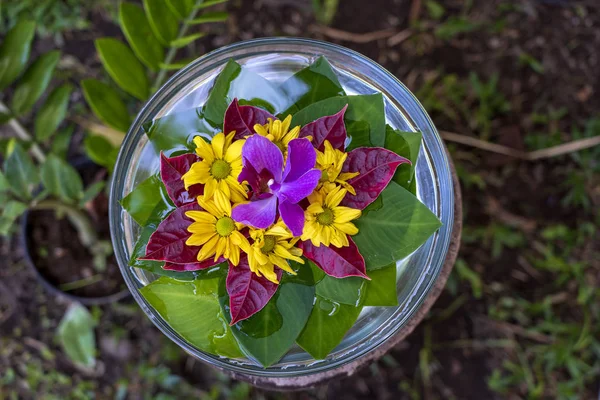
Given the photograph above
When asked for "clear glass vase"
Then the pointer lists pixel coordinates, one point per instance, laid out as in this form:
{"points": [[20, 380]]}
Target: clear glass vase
{"points": [[277, 59]]}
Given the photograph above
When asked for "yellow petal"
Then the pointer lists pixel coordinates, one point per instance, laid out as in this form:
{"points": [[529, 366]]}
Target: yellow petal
{"points": [[198, 239], [208, 249], [234, 255], [217, 143], [345, 214], [234, 152], [204, 150], [335, 197], [209, 188], [347, 227], [281, 263]]}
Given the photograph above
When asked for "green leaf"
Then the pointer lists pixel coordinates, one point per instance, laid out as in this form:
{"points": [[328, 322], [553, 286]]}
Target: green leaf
{"points": [[76, 336], [61, 141], [326, 327], [175, 66], [100, 150], [408, 145], [311, 84], [12, 210], [61, 179], [393, 227], [106, 104], [341, 290], [4, 185], [209, 3], [20, 171], [181, 8], [176, 132], [268, 335], [53, 112], [362, 109], [192, 309], [148, 202], [123, 67], [34, 82], [138, 32], [163, 22], [184, 41], [217, 16], [14, 52], [381, 289], [91, 192], [237, 82]]}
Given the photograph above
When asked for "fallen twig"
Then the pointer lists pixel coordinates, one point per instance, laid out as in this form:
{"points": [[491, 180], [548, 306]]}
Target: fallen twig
{"points": [[351, 36], [518, 330], [399, 37], [114, 136]]}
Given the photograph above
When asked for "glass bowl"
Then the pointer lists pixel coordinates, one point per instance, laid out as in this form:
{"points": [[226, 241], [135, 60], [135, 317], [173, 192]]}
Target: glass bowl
{"points": [[276, 59]]}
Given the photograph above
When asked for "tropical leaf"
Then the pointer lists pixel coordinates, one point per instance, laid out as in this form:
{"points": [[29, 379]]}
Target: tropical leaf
{"points": [[14, 52], [20, 172], [53, 112], [140, 36], [34, 83], [163, 22], [106, 104], [61, 180]]}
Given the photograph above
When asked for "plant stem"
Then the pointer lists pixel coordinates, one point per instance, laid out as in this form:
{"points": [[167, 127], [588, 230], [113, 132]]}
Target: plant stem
{"points": [[22, 133], [80, 221], [173, 51]]}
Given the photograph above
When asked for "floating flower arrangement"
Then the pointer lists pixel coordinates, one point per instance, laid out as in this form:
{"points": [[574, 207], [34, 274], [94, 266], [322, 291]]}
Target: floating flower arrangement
{"points": [[274, 220]]}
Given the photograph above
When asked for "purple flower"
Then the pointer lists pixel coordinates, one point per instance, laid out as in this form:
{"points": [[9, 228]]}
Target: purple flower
{"points": [[275, 186]]}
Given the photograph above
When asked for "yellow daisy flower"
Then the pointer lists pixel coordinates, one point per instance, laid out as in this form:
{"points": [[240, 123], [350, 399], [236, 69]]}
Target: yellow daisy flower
{"points": [[218, 170], [216, 232], [330, 162], [272, 247], [326, 221], [278, 132]]}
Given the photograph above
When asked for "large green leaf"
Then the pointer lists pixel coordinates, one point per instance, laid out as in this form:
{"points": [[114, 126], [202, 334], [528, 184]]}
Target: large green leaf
{"points": [[215, 16], [61, 141], [4, 185], [14, 51], [192, 309], [34, 82], [381, 289], [362, 109], [175, 132], [163, 22], [341, 290], [20, 172], [100, 150], [76, 335], [311, 84], [408, 145], [393, 227], [138, 32], [148, 202], [53, 112], [181, 8], [106, 104], [61, 180], [326, 327], [237, 82], [10, 212], [269, 334], [122, 65]]}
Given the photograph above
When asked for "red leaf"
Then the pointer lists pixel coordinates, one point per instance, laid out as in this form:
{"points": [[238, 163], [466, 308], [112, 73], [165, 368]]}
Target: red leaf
{"points": [[167, 243], [171, 171], [193, 266], [248, 293], [377, 167], [330, 128], [337, 262], [242, 119]]}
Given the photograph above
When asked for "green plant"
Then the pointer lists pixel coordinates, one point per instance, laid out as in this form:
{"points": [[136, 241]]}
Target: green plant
{"points": [[49, 182], [155, 34], [325, 10], [76, 336]]}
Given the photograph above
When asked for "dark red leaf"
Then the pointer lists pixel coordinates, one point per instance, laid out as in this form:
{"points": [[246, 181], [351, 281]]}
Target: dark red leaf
{"points": [[330, 128], [167, 243], [193, 266], [337, 262], [248, 293], [242, 119], [377, 167], [171, 171]]}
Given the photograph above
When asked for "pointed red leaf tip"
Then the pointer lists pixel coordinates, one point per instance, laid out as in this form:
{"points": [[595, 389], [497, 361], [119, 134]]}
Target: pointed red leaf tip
{"points": [[337, 262], [242, 119], [167, 243], [377, 167], [330, 128], [248, 293], [171, 171]]}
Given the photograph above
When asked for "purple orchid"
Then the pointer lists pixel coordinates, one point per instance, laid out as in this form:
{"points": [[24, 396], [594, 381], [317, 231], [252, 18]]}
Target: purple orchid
{"points": [[275, 187]]}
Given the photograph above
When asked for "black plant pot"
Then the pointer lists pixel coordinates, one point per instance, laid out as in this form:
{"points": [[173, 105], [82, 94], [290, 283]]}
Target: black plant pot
{"points": [[87, 169]]}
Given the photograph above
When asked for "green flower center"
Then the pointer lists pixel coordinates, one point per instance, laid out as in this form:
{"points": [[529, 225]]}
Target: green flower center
{"points": [[220, 169], [324, 176], [326, 217], [269, 244], [225, 226]]}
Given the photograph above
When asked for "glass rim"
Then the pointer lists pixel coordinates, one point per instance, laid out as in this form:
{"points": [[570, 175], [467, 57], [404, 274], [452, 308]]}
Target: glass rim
{"points": [[153, 106]]}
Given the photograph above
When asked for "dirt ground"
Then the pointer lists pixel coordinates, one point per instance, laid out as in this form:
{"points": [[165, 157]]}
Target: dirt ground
{"points": [[520, 318]]}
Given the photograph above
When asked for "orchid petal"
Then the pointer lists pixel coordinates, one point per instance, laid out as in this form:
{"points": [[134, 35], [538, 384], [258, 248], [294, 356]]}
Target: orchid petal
{"points": [[301, 158], [292, 216], [262, 154], [301, 187], [259, 213]]}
